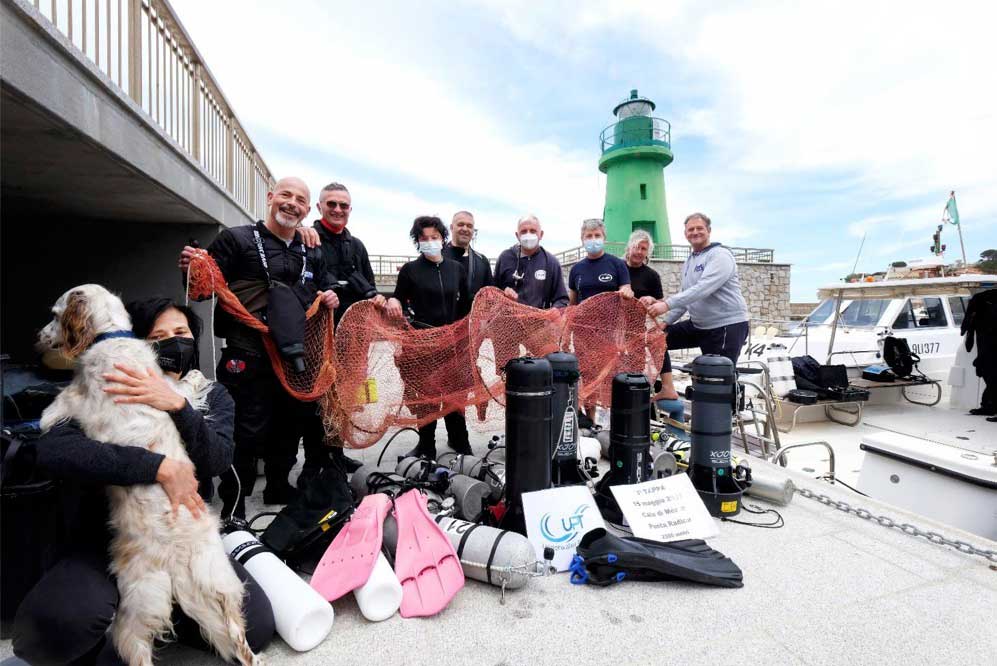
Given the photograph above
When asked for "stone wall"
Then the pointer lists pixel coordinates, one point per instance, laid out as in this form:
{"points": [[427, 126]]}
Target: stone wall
{"points": [[765, 286]]}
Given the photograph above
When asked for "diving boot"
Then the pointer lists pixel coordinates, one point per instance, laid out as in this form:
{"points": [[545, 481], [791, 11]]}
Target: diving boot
{"points": [[423, 450]]}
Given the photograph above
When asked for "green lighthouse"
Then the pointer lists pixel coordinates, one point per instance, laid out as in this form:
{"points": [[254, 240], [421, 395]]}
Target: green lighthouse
{"points": [[635, 150]]}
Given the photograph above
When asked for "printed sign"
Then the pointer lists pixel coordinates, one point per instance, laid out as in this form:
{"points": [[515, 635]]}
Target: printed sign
{"points": [[667, 509], [557, 518]]}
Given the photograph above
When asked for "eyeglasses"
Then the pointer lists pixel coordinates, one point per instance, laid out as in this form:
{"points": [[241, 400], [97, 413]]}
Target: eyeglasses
{"points": [[342, 206]]}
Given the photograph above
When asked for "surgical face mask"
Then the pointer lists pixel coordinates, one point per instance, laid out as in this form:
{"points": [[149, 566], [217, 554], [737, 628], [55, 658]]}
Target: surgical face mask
{"points": [[594, 245], [431, 248], [529, 241], [175, 354]]}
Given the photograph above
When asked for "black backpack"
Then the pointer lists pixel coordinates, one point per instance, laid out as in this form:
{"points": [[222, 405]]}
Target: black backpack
{"points": [[897, 354], [300, 533]]}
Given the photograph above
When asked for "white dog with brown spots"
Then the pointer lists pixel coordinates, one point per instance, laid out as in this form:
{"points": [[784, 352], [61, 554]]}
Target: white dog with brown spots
{"points": [[156, 556]]}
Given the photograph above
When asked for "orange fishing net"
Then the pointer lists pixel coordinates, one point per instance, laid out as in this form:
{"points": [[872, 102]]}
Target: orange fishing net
{"points": [[205, 279], [376, 373]]}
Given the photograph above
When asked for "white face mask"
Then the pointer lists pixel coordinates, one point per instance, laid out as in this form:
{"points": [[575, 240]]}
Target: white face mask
{"points": [[529, 241], [431, 248]]}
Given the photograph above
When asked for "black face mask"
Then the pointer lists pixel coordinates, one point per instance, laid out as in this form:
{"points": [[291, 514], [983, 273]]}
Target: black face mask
{"points": [[176, 354]]}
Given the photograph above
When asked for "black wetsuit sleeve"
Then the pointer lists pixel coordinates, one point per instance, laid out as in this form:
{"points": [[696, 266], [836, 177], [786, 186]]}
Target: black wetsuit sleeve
{"points": [[559, 292], [225, 251], [655, 287], [404, 286], [463, 295], [363, 263], [208, 438], [489, 280], [65, 452], [317, 265]]}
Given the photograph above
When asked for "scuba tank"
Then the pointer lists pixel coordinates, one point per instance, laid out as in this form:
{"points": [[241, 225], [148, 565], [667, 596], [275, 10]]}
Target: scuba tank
{"points": [[712, 394], [302, 617], [780, 369], [629, 441], [492, 473], [491, 555], [564, 427], [528, 393]]}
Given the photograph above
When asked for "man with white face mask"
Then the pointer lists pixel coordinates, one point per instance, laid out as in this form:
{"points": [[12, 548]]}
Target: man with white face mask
{"points": [[529, 274], [431, 291]]}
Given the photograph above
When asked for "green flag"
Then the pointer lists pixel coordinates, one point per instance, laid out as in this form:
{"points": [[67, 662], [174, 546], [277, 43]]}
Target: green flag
{"points": [[951, 211]]}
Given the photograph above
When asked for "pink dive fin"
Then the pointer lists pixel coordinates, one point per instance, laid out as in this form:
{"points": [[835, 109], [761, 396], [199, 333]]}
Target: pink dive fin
{"points": [[425, 560], [351, 556]]}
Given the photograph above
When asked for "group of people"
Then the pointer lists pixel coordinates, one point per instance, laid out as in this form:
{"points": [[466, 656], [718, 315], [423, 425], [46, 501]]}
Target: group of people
{"points": [[246, 413]]}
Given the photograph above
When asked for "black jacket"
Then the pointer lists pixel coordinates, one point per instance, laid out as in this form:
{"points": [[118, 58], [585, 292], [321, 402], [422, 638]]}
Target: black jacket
{"points": [[435, 293], [64, 452], [980, 327], [479, 273], [346, 259], [546, 292], [236, 254]]}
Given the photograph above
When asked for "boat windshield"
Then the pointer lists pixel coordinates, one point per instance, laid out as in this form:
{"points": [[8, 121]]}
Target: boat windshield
{"points": [[864, 313], [822, 313]]}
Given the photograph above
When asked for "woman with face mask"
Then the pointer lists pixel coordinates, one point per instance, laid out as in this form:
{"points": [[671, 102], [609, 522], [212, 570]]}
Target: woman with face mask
{"points": [[66, 615], [431, 291], [598, 272]]}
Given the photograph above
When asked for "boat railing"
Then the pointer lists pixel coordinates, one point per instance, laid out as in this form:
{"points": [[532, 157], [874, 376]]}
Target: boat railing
{"points": [[142, 50]]}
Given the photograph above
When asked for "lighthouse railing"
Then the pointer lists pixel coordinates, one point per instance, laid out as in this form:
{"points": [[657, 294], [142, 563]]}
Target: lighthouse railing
{"points": [[636, 131]]}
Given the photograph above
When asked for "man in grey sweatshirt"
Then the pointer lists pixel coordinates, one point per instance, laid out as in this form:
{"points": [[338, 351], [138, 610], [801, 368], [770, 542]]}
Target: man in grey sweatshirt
{"points": [[711, 294]]}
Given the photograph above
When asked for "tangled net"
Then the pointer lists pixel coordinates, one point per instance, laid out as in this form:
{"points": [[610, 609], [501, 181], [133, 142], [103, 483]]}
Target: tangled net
{"points": [[205, 280], [376, 373]]}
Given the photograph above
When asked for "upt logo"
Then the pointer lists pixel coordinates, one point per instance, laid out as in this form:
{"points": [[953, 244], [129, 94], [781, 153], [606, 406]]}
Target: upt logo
{"points": [[570, 527]]}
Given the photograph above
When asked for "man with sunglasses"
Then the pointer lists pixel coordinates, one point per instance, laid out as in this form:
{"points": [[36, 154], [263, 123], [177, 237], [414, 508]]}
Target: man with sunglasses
{"points": [[352, 277]]}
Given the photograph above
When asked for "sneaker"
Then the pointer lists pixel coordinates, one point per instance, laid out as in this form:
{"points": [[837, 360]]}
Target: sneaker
{"points": [[281, 495], [983, 411]]}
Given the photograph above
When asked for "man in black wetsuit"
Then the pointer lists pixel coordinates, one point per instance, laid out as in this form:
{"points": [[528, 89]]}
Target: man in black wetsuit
{"points": [[479, 270], [352, 278], [267, 419], [432, 291]]}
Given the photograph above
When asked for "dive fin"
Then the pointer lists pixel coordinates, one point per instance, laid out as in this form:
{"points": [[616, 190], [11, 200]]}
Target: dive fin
{"points": [[425, 560], [350, 558], [605, 557]]}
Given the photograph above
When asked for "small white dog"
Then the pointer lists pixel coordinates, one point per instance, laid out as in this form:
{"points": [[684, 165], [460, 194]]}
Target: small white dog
{"points": [[154, 556]]}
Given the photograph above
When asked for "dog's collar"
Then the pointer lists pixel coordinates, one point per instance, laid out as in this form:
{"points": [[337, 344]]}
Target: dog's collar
{"points": [[113, 334]]}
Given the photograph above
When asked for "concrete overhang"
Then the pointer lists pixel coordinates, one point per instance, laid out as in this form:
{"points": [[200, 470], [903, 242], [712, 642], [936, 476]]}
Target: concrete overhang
{"points": [[75, 144]]}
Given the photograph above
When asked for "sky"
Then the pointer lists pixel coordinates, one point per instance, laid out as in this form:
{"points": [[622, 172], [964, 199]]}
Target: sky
{"points": [[797, 126]]}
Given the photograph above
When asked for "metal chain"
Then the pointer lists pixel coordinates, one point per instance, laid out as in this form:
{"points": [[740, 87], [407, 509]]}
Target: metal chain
{"points": [[906, 528]]}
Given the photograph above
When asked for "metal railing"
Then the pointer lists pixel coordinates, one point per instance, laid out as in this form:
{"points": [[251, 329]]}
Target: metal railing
{"points": [[636, 131], [669, 253], [142, 48]]}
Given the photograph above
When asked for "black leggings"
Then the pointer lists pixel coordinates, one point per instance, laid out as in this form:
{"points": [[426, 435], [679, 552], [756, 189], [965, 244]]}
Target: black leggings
{"points": [[724, 340], [65, 617]]}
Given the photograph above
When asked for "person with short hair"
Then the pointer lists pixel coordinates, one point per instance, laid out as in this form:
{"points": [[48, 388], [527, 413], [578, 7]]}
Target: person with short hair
{"points": [[459, 248], [268, 420], [711, 294], [65, 617], [644, 280], [431, 291], [352, 278], [527, 273], [599, 271]]}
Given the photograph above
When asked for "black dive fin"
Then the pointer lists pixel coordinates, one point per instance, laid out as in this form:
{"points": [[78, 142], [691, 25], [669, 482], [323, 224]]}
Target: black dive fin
{"points": [[606, 559]]}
